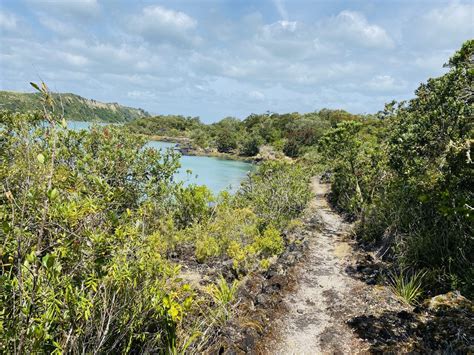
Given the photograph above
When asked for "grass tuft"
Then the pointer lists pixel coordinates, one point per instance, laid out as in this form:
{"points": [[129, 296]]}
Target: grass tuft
{"points": [[407, 285]]}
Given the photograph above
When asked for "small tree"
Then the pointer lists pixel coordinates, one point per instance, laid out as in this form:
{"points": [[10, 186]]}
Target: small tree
{"points": [[226, 141]]}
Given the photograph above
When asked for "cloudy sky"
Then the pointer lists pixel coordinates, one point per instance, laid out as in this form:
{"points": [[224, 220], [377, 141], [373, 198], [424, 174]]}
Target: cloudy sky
{"points": [[231, 57]]}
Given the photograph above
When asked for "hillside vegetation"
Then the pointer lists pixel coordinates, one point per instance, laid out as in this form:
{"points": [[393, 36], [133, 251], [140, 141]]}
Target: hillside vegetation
{"points": [[103, 251], [76, 108], [95, 232]]}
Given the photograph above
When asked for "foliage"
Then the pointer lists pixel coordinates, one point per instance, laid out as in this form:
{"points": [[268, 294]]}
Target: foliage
{"points": [[270, 242], [223, 295], [229, 233], [89, 221], [278, 192], [410, 181], [293, 133], [78, 270], [407, 286], [226, 141], [171, 125], [250, 146], [94, 228], [192, 205], [355, 156]]}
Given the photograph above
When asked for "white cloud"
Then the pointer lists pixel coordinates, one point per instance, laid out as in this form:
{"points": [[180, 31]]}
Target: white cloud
{"points": [[59, 27], [153, 56], [142, 95], [386, 83], [75, 59], [432, 61], [353, 26], [256, 95], [279, 27], [8, 21], [158, 24], [442, 26], [283, 39]]}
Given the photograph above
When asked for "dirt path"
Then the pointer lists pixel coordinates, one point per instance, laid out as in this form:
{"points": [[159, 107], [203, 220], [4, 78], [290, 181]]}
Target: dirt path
{"points": [[337, 304], [315, 321]]}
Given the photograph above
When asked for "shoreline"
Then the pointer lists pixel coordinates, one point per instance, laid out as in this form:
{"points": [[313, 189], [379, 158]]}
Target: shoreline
{"points": [[190, 151]]}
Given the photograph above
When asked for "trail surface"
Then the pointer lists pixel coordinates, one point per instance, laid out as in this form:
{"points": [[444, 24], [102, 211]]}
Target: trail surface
{"points": [[339, 305], [317, 310]]}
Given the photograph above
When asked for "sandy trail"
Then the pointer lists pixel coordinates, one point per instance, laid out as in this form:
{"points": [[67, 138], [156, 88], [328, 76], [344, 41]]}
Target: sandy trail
{"points": [[315, 321]]}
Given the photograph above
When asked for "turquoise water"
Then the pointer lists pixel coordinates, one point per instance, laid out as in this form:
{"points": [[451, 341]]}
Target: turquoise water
{"points": [[217, 174], [78, 125]]}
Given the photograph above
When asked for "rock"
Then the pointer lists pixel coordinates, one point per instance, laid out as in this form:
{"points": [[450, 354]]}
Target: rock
{"points": [[449, 300], [292, 247], [228, 271], [450, 324], [325, 177], [263, 300], [276, 283], [249, 341], [371, 281], [290, 259], [275, 270]]}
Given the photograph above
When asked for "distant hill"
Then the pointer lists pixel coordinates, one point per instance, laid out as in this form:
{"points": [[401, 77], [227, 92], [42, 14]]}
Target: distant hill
{"points": [[76, 108]]}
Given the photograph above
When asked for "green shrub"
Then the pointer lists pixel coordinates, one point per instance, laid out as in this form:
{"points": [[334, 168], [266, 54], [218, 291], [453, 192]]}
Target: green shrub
{"points": [[250, 146], [223, 295], [277, 192], [270, 243], [192, 205], [207, 247], [408, 178], [80, 270]]}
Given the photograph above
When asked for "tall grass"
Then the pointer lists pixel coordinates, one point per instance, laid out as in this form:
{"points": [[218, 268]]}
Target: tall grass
{"points": [[223, 295]]}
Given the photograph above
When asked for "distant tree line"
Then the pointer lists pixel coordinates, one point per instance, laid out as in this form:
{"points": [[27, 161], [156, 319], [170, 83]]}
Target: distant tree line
{"points": [[292, 133]]}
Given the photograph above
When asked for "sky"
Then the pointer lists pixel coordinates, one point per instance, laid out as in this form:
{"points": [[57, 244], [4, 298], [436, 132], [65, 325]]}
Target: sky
{"points": [[213, 59]]}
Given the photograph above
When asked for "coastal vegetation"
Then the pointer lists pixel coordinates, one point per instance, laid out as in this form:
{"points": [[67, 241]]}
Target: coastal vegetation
{"points": [[408, 178], [95, 232], [103, 250], [292, 134]]}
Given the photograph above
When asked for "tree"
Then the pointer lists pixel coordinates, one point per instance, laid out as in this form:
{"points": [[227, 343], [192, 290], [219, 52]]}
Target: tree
{"points": [[251, 145]]}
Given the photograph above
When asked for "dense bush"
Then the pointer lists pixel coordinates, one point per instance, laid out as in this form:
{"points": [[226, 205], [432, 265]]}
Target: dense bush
{"points": [[170, 125], [78, 270], [250, 145], [411, 183], [278, 192], [88, 221]]}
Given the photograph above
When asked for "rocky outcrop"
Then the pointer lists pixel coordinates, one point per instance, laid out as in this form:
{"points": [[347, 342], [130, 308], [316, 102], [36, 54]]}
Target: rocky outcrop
{"points": [[267, 152]]}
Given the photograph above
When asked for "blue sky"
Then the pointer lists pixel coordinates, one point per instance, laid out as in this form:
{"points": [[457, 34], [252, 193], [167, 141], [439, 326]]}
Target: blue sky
{"points": [[231, 58]]}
